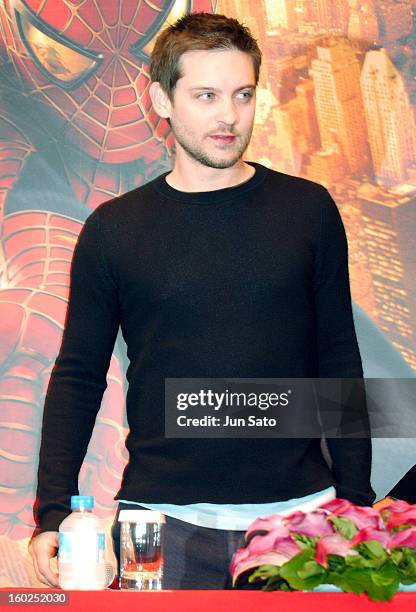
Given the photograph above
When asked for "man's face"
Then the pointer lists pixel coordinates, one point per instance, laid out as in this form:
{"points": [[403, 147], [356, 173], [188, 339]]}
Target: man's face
{"points": [[213, 107]]}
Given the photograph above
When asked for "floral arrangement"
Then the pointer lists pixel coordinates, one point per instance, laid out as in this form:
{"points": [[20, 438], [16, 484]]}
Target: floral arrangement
{"points": [[355, 548]]}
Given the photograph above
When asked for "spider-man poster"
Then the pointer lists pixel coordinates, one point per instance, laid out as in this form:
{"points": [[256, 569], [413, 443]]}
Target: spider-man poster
{"points": [[335, 105]]}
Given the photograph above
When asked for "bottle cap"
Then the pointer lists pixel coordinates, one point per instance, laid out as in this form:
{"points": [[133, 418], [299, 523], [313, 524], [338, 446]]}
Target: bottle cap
{"points": [[80, 502], [141, 516]]}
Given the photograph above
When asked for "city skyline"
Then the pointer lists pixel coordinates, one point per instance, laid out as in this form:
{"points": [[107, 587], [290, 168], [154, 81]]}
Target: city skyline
{"points": [[336, 106]]}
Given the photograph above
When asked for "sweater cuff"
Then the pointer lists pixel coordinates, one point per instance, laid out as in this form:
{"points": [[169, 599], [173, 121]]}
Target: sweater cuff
{"points": [[51, 520], [359, 498]]}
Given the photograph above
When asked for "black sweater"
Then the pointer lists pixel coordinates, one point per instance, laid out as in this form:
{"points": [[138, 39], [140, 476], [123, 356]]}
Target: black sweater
{"points": [[247, 281], [406, 487]]}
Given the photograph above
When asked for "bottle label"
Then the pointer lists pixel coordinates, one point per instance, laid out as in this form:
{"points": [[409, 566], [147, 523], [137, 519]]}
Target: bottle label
{"points": [[81, 547]]}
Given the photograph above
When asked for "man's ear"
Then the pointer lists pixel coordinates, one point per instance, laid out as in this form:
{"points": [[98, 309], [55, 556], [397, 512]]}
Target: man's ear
{"points": [[160, 100]]}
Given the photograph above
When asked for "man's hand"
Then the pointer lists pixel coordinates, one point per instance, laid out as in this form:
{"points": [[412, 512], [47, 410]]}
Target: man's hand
{"points": [[43, 548]]}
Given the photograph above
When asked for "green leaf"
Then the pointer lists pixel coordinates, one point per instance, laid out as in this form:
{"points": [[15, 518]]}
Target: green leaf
{"points": [[361, 562], [352, 580], [380, 584], [302, 572], [404, 559], [401, 528], [344, 526], [286, 587], [304, 541], [336, 563], [385, 575], [310, 570], [270, 575], [373, 550], [397, 555], [384, 582], [264, 572], [276, 583]]}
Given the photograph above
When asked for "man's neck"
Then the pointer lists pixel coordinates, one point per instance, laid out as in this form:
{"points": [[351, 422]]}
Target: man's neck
{"points": [[209, 179]]}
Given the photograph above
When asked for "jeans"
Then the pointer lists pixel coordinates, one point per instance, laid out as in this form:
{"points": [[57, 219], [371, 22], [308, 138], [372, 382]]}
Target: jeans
{"points": [[194, 557]]}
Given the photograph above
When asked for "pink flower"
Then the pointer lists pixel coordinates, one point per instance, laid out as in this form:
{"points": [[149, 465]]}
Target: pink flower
{"points": [[361, 516], [402, 517], [333, 545], [262, 543], [287, 547], [265, 549], [273, 543], [368, 533], [398, 505], [271, 523], [240, 564], [407, 537], [314, 523], [240, 555], [337, 505]]}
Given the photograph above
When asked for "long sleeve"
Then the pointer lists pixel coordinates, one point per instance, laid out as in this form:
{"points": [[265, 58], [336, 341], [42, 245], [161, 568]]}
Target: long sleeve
{"points": [[338, 353], [406, 487], [78, 379]]}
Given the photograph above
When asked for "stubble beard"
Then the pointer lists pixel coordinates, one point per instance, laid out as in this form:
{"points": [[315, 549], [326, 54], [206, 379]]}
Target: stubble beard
{"points": [[195, 151]]}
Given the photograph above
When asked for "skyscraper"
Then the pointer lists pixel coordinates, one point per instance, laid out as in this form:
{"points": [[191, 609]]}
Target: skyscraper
{"points": [[363, 24], [248, 12], [281, 14], [339, 105], [332, 15], [389, 218], [390, 119], [307, 16]]}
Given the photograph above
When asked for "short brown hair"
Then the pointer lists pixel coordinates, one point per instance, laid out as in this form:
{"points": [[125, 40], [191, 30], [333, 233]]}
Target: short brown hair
{"points": [[198, 32]]}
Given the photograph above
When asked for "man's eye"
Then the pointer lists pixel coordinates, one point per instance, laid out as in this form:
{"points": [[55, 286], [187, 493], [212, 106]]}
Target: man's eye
{"points": [[245, 95], [206, 95]]}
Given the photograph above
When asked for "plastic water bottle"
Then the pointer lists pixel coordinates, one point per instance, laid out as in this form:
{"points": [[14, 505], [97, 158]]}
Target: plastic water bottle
{"points": [[81, 560]]}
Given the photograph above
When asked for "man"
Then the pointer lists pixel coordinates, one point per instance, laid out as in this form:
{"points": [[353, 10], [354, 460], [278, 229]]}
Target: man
{"points": [[219, 268]]}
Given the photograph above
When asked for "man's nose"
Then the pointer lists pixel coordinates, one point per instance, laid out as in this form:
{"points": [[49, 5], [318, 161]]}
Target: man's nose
{"points": [[228, 113]]}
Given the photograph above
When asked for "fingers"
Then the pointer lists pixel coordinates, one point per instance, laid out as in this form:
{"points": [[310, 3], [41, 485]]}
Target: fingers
{"points": [[42, 549]]}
